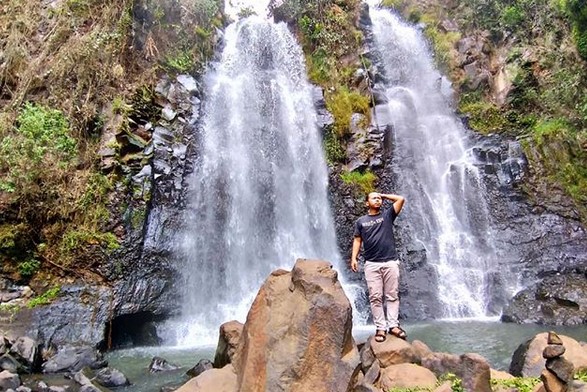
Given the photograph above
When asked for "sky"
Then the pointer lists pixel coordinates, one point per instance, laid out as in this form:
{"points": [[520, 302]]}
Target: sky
{"points": [[232, 7]]}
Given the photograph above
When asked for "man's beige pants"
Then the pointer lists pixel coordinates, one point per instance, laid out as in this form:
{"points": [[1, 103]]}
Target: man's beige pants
{"points": [[383, 281]]}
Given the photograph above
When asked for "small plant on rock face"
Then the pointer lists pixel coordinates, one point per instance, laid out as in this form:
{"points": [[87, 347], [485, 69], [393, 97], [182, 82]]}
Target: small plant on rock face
{"points": [[45, 298], [364, 182], [455, 381], [581, 375], [29, 267]]}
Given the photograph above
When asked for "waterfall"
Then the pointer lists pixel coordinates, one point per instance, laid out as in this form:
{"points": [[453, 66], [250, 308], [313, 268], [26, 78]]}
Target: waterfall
{"points": [[258, 195], [447, 212]]}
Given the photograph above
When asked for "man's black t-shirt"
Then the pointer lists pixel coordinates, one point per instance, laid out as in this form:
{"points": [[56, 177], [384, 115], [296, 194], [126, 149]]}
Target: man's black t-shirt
{"points": [[376, 232]]}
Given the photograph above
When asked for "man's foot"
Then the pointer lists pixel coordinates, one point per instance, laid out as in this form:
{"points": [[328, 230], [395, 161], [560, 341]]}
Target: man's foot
{"points": [[380, 336], [398, 332]]}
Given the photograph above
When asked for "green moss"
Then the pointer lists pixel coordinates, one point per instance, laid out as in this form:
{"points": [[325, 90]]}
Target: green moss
{"points": [[28, 267], [559, 147], [484, 117], [342, 104], [443, 43], [363, 182], [77, 241], [179, 62], [46, 298], [333, 147]]}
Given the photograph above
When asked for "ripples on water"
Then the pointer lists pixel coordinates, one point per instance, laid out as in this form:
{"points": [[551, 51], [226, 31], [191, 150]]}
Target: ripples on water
{"points": [[494, 340]]}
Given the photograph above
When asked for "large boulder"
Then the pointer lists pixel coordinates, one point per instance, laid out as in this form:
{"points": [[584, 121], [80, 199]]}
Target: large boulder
{"points": [[213, 380], [297, 336], [230, 334], [528, 360], [407, 375], [73, 359]]}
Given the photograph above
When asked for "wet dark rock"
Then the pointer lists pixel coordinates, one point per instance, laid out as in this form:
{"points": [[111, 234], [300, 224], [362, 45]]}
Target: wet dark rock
{"points": [[9, 363], [201, 367], [8, 380], [26, 351], [110, 377], [73, 359], [562, 368], [69, 319], [555, 300], [159, 364]]}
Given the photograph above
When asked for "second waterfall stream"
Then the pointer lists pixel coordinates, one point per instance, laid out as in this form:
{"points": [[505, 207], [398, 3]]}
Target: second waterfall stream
{"points": [[447, 212]]}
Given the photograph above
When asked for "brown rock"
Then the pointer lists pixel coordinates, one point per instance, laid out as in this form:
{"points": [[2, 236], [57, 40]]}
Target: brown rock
{"points": [[499, 375], [441, 363], [527, 361], [553, 351], [407, 375], [393, 351], [230, 334], [552, 383], [217, 380], [539, 388], [297, 336], [475, 373], [421, 350], [553, 338], [562, 368]]}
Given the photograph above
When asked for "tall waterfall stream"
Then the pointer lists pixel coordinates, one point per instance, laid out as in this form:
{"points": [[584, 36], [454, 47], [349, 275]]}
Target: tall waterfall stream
{"points": [[259, 190]]}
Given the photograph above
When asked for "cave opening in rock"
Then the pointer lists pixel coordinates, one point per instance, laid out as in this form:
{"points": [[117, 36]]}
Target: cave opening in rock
{"points": [[131, 330]]}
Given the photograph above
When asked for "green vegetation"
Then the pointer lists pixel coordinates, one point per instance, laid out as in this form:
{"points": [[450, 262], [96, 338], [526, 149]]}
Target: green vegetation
{"points": [[68, 70], [46, 298], [36, 151], [363, 182], [455, 381], [484, 117], [581, 375], [333, 147], [332, 42], [29, 267], [342, 104], [521, 384]]}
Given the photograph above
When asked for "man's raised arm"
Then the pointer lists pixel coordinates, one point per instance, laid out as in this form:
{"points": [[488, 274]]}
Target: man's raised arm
{"points": [[398, 201]]}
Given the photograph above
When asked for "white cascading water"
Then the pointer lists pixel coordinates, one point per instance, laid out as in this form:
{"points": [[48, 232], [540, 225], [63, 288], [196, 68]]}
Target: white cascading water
{"points": [[259, 188], [447, 213]]}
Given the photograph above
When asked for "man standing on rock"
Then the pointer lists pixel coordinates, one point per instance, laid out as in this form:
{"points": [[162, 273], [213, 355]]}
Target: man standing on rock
{"points": [[375, 232]]}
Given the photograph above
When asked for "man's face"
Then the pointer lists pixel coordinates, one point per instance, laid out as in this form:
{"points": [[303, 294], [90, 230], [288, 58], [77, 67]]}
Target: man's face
{"points": [[374, 200]]}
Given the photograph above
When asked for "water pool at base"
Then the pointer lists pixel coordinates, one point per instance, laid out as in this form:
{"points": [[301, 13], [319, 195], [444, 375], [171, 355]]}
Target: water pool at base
{"points": [[493, 340]]}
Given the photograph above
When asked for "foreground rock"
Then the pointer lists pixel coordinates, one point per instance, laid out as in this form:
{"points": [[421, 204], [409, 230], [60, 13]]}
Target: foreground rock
{"points": [[297, 337], [528, 360]]}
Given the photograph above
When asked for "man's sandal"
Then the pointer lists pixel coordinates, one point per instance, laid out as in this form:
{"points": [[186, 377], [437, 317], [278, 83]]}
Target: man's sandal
{"points": [[398, 332], [380, 336]]}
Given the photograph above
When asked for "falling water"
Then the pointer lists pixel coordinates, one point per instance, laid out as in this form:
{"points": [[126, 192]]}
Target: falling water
{"points": [[259, 188], [448, 214]]}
